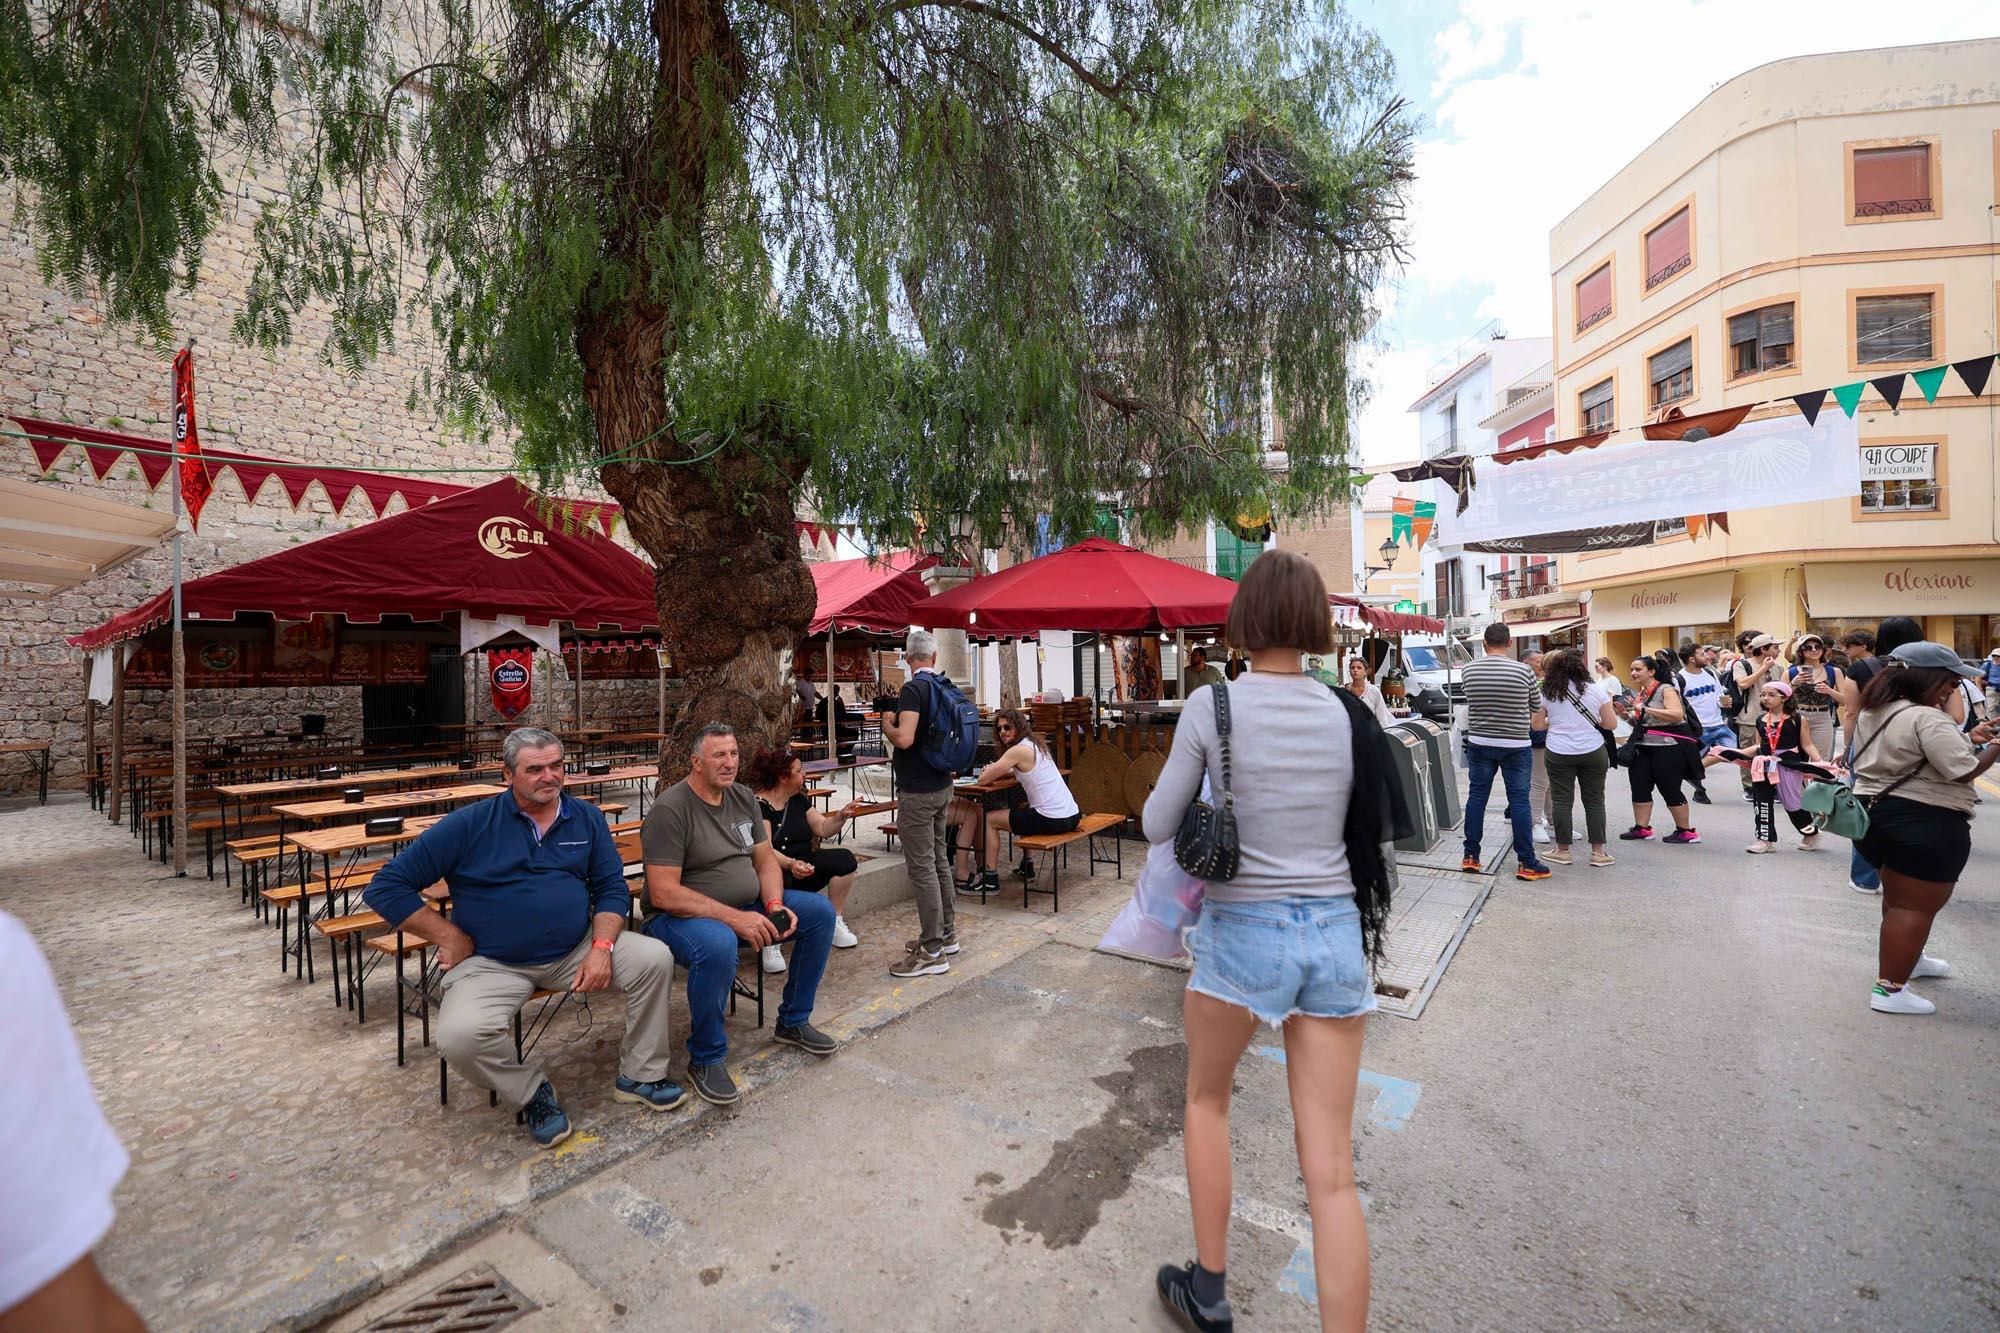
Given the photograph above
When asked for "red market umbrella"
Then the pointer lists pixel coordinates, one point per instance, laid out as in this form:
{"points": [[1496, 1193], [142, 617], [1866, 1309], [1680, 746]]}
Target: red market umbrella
{"points": [[869, 594], [1096, 585]]}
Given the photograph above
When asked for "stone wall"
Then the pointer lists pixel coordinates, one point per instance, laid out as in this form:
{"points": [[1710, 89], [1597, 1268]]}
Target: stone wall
{"points": [[64, 363]]}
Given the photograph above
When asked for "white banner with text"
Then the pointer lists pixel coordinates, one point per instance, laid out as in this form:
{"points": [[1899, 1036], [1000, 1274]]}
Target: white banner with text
{"points": [[1782, 461]]}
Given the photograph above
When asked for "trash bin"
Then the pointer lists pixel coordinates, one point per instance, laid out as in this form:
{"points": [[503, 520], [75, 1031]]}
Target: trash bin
{"points": [[1447, 810], [1413, 771]]}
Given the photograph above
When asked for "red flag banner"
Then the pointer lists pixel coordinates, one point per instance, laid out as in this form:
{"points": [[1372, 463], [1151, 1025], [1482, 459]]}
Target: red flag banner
{"points": [[511, 673], [195, 482]]}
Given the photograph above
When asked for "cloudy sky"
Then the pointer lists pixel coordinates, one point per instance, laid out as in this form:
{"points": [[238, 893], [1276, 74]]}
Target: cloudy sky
{"points": [[1497, 82]]}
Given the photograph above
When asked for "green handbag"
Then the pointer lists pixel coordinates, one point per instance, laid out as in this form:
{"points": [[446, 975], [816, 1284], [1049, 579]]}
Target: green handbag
{"points": [[1839, 810]]}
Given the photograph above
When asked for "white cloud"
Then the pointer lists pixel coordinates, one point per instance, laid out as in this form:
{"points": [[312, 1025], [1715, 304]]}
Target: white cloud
{"points": [[1517, 143]]}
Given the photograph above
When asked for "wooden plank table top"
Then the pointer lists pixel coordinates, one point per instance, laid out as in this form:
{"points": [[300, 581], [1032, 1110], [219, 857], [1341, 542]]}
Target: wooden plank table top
{"points": [[374, 777], [23, 747], [387, 802], [818, 766], [355, 837]]}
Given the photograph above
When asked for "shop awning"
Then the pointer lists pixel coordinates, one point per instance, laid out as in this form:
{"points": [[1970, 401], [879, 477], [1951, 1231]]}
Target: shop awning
{"points": [[52, 539], [1098, 585], [499, 550], [1522, 629], [1916, 587], [869, 594], [1380, 617], [1702, 600]]}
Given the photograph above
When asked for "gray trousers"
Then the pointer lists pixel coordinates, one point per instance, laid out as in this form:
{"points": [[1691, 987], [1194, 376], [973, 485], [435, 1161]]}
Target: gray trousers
{"points": [[475, 1028], [921, 821], [1538, 787]]}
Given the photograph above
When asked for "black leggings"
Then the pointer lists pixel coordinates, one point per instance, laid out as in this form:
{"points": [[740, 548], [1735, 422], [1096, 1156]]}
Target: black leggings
{"points": [[1658, 768], [1764, 798]]}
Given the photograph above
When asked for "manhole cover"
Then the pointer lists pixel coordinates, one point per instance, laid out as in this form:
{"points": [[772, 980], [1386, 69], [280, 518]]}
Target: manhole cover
{"points": [[475, 1300]]}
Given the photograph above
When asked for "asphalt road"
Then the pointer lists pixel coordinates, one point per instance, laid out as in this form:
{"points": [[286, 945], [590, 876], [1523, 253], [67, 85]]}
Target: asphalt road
{"points": [[1649, 1097]]}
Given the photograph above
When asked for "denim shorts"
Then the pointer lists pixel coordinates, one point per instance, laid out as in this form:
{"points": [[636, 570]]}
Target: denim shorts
{"points": [[1283, 957]]}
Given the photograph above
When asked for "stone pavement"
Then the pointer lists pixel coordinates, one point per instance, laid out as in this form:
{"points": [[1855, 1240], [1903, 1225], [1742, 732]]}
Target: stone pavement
{"points": [[1650, 1096]]}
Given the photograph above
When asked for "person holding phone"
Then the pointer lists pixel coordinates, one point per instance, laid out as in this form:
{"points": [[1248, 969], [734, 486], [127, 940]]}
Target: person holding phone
{"points": [[779, 780], [713, 878]]}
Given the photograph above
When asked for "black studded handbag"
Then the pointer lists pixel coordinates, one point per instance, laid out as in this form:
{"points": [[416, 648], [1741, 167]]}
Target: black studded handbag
{"points": [[1205, 844]]}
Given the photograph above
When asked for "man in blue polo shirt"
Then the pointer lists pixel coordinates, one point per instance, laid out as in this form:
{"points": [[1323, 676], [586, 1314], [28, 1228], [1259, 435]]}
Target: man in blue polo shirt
{"points": [[538, 902]]}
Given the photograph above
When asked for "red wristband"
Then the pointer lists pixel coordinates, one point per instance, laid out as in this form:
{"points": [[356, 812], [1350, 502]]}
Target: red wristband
{"points": [[601, 944]]}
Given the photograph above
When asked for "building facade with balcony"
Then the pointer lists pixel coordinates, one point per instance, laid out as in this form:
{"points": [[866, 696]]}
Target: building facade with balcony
{"points": [[1811, 223], [1469, 389]]}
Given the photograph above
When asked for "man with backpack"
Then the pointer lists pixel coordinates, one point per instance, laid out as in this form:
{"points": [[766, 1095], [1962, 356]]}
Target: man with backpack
{"points": [[933, 734]]}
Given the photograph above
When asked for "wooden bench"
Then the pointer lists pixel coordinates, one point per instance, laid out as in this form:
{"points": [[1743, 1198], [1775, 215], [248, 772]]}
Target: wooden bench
{"points": [[1056, 845], [210, 825], [254, 855], [400, 945], [284, 896], [888, 830]]}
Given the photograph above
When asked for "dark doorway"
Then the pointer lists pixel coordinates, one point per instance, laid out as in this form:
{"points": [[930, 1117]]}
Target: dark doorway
{"points": [[415, 714]]}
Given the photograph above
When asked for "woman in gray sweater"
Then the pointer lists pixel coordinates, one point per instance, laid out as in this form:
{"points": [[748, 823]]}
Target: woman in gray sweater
{"points": [[1281, 943]]}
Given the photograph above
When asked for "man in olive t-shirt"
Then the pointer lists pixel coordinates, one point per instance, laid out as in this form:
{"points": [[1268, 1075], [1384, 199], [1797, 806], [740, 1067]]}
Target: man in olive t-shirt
{"points": [[712, 879]]}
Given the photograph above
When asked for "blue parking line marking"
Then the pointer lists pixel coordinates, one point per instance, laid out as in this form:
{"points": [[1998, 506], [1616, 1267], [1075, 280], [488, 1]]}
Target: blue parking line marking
{"points": [[1395, 1098], [1298, 1279]]}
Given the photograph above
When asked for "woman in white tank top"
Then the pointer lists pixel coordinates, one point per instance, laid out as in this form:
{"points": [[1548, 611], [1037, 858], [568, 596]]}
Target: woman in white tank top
{"points": [[1041, 804]]}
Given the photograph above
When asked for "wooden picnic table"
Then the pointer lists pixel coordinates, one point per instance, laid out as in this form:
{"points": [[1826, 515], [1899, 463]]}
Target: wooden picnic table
{"points": [[383, 803], [244, 793], [41, 765]]}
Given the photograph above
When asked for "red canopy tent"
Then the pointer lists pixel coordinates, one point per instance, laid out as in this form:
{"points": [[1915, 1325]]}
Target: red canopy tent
{"points": [[500, 549], [1096, 585], [872, 594]]}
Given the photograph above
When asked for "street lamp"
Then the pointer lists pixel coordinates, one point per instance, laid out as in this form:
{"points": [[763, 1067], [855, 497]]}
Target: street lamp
{"points": [[1388, 551]]}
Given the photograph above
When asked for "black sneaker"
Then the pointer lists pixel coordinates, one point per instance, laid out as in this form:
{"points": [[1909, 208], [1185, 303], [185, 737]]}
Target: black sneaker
{"points": [[1701, 796], [1177, 1294], [713, 1085], [1026, 870], [806, 1037], [544, 1116]]}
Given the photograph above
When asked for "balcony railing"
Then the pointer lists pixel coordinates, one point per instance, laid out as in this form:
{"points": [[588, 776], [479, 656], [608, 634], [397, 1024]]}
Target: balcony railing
{"points": [[1888, 208], [1520, 585]]}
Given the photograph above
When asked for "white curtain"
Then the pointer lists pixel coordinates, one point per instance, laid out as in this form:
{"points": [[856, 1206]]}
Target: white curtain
{"points": [[476, 633], [100, 669]]}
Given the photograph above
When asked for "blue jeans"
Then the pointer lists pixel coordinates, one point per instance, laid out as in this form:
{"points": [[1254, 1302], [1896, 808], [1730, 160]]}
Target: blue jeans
{"points": [[1516, 768], [707, 949]]}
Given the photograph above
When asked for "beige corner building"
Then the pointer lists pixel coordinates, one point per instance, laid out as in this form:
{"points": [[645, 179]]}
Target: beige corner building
{"points": [[1810, 223]]}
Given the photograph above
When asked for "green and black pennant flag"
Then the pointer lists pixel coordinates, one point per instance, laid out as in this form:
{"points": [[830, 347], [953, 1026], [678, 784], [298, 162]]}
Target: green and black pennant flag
{"points": [[1809, 405], [1891, 389], [1929, 381], [1974, 373], [1849, 396]]}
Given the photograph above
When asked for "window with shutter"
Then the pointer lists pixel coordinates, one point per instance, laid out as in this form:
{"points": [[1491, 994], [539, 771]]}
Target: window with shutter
{"points": [[1669, 249], [1893, 181], [1671, 373], [1596, 407], [1232, 554], [1892, 328], [1760, 340], [1593, 297]]}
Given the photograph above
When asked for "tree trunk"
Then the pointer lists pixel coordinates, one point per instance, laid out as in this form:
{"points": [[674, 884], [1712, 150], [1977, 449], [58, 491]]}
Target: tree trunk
{"points": [[733, 592], [1010, 673]]}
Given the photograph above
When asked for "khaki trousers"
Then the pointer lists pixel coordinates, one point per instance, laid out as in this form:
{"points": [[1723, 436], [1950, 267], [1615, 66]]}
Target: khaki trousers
{"points": [[475, 1030]]}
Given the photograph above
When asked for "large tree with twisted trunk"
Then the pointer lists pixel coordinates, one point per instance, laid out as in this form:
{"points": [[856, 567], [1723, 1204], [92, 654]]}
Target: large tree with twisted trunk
{"points": [[915, 264]]}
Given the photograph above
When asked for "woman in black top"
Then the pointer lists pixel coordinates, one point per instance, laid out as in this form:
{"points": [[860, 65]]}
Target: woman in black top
{"points": [[779, 780]]}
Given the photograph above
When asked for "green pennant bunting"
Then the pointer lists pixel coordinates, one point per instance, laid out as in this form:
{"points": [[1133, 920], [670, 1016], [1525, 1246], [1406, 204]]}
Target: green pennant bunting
{"points": [[1849, 396], [1427, 509], [1399, 528], [1930, 381]]}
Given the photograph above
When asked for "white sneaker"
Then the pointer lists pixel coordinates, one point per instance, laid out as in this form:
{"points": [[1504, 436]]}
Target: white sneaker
{"points": [[774, 959], [1809, 843], [1904, 1001], [1544, 834], [1761, 848], [1928, 966], [843, 938], [1863, 888]]}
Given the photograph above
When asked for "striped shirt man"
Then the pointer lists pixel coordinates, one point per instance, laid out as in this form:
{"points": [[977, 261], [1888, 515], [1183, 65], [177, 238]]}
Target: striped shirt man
{"points": [[1500, 701]]}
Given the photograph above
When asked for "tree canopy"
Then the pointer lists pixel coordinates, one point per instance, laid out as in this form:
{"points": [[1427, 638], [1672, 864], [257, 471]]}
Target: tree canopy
{"points": [[921, 260]]}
